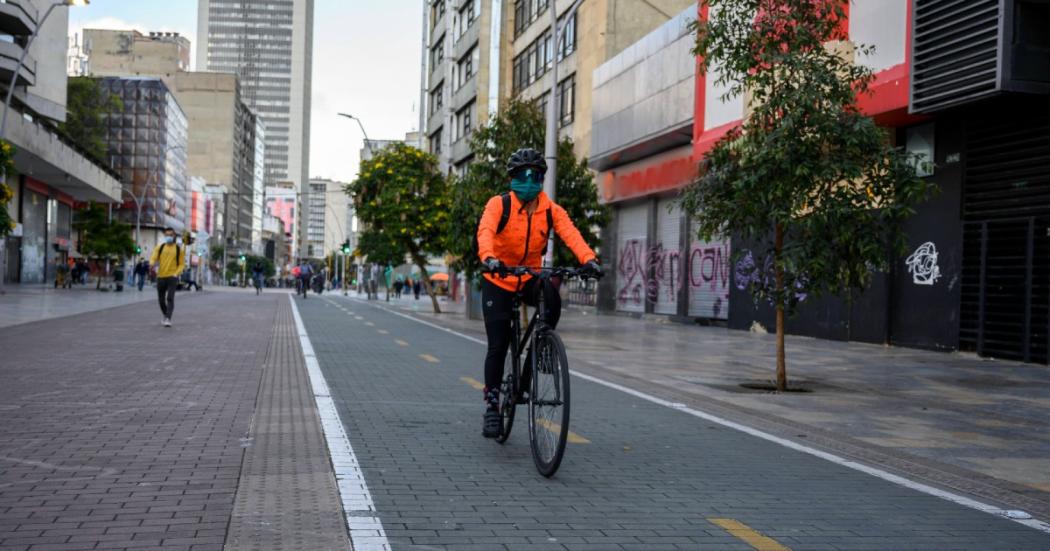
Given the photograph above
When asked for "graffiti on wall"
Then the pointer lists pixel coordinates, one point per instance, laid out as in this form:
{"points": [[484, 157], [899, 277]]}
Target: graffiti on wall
{"points": [[653, 274], [922, 264], [709, 265]]}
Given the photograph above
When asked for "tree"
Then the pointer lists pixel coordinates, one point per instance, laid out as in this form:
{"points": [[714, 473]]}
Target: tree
{"points": [[814, 184], [402, 199], [7, 166], [519, 124], [87, 104], [103, 239]]}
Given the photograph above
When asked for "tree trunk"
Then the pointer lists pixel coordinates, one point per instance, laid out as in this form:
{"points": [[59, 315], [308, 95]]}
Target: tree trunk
{"points": [[422, 265], [781, 363]]}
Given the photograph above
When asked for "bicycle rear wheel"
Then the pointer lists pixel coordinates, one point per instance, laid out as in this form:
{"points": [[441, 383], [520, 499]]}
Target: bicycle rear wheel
{"points": [[507, 397], [549, 403]]}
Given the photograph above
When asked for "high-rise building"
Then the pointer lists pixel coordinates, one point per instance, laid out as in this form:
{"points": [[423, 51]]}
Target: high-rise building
{"points": [[461, 75], [326, 217], [268, 44], [226, 137]]}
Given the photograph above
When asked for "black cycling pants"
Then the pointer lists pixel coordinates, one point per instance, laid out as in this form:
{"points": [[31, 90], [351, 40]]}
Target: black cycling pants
{"points": [[496, 303]]}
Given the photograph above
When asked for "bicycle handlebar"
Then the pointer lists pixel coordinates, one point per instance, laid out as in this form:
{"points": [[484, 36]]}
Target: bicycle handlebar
{"points": [[541, 272]]}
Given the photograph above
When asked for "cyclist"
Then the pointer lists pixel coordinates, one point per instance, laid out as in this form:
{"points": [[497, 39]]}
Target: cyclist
{"points": [[258, 272], [521, 241], [306, 272]]}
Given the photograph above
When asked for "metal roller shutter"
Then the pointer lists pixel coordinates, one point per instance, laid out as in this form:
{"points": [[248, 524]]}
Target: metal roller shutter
{"points": [[708, 279], [665, 257], [631, 245]]}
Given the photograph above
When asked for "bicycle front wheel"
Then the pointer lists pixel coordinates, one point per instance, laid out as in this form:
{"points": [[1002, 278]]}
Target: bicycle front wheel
{"points": [[507, 398], [549, 403]]}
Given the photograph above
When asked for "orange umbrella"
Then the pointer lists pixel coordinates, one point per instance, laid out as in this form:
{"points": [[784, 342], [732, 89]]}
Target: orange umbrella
{"points": [[439, 277]]}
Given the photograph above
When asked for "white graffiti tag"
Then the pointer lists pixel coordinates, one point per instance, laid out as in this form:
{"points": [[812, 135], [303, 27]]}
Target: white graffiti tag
{"points": [[922, 264]]}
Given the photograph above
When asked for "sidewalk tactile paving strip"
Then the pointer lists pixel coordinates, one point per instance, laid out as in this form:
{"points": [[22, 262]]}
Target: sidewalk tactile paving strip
{"points": [[287, 497]]}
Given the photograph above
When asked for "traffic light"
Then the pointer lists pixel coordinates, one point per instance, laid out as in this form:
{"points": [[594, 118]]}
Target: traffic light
{"points": [[346, 247], [138, 249], [243, 258]]}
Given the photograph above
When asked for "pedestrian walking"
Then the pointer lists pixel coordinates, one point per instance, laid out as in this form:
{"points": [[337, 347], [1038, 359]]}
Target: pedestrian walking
{"points": [[168, 260], [141, 271], [416, 288], [398, 285]]}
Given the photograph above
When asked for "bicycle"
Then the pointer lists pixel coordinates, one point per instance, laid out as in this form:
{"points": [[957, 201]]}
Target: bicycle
{"points": [[548, 397]]}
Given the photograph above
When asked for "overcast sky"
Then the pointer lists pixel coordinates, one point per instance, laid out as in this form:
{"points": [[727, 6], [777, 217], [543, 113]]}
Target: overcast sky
{"points": [[366, 62]]}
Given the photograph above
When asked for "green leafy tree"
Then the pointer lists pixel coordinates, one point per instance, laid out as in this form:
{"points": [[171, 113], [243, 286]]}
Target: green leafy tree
{"points": [[102, 239], [402, 199], [86, 105], [519, 124], [7, 166], [814, 184]]}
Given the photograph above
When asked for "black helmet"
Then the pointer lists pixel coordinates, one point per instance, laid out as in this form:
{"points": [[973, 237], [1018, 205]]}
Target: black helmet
{"points": [[526, 158]]}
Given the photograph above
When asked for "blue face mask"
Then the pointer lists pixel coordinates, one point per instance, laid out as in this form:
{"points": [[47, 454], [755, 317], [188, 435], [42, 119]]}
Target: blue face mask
{"points": [[169, 239], [527, 184]]}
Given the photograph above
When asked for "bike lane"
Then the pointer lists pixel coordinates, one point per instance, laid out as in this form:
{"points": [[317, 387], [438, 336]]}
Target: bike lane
{"points": [[638, 475]]}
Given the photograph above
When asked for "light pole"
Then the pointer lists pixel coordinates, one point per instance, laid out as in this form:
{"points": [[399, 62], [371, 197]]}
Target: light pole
{"points": [[368, 145], [551, 145], [371, 153], [142, 197]]}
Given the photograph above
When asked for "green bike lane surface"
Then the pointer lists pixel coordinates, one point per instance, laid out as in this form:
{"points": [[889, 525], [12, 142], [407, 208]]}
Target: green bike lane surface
{"points": [[648, 477]]}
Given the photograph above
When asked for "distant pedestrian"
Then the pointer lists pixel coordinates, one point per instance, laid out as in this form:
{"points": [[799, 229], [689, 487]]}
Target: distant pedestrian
{"points": [[257, 276], [168, 259], [141, 271], [416, 288], [398, 285]]}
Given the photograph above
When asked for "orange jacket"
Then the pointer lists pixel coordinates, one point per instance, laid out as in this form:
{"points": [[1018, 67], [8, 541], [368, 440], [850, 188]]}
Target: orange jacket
{"points": [[521, 241]]}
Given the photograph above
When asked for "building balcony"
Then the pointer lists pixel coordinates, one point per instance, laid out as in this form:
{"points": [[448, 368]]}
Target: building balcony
{"points": [[9, 55], [18, 17], [45, 155]]}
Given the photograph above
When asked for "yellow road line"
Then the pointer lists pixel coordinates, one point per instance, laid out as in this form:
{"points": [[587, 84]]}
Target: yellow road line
{"points": [[382, 331], [748, 535], [555, 428], [473, 382], [401, 342], [429, 358]]}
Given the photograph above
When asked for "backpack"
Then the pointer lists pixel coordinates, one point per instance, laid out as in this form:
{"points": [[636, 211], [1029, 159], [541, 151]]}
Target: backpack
{"points": [[160, 251], [503, 219]]}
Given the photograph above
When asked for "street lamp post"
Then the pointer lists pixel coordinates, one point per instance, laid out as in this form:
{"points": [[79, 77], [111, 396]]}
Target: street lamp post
{"points": [[139, 201], [551, 144], [371, 153]]}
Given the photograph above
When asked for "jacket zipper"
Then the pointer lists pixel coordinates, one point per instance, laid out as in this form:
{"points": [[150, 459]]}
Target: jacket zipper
{"points": [[528, 234]]}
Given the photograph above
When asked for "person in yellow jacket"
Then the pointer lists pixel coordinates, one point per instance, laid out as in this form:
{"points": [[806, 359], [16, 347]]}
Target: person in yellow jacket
{"points": [[168, 259]]}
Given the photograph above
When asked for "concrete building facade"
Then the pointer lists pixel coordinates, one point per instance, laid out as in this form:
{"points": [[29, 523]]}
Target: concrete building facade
{"points": [[599, 30], [225, 145], [326, 217], [147, 142], [460, 76], [51, 174]]}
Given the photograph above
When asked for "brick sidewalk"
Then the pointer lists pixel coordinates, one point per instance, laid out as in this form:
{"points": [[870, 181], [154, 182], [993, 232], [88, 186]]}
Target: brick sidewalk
{"points": [[117, 433], [954, 420]]}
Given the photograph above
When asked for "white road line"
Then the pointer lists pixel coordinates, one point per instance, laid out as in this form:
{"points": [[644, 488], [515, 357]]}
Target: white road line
{"points": [[1016, 516], [366, 530]]}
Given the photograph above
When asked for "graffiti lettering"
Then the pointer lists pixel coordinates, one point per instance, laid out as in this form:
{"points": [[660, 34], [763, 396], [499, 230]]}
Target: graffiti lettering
{"points": [[656, 274]]}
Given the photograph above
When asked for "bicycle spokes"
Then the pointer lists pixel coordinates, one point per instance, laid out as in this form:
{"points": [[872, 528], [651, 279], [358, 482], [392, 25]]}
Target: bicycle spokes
{"points": [[549, 404]]}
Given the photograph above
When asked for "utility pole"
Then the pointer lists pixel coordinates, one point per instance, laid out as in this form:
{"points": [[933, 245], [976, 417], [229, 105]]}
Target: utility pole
{"points": [[553, 107]]}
